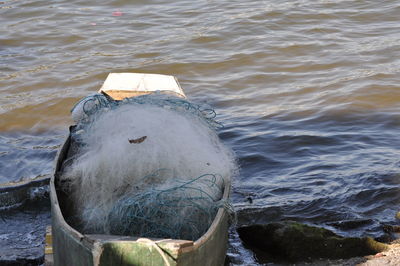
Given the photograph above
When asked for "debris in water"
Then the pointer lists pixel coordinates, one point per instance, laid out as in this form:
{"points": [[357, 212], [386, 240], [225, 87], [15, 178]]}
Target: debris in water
{"points": [[117, 13], [137, 141], [250, 199]]}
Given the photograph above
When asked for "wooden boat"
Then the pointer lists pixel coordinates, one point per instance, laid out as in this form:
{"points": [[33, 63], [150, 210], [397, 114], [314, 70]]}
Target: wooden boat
{"points": [[71, 247]]}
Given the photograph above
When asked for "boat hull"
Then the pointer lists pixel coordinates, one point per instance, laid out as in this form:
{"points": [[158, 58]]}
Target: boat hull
{"points": [[70, 247]]}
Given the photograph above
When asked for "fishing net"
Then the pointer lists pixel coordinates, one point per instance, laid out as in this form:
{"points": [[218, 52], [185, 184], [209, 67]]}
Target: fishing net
{"points": [[150, 166]]}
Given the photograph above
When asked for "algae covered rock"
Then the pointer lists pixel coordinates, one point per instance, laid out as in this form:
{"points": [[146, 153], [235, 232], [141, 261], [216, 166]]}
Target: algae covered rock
{"points": [[292, 242]]}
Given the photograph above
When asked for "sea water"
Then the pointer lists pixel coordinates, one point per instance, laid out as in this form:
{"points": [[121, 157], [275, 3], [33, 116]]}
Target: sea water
{"points": [[307, 90]]}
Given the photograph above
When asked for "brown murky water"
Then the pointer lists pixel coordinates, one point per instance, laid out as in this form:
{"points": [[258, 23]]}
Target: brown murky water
{"points": [[308, 92]]}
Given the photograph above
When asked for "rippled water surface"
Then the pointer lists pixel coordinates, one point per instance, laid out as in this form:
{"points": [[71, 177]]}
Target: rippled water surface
{"points": [[308, 92]]}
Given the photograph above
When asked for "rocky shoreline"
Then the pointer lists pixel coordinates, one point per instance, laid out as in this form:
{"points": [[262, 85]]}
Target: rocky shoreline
{"points": [[390, 257]]}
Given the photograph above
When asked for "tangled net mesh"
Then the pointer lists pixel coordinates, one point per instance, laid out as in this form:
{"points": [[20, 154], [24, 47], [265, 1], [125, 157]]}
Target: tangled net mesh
{"points": [[169, 186], [88, 107]]}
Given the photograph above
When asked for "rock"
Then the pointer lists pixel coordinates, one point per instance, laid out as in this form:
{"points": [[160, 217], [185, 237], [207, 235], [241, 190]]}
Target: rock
{"points": [[391, 228], [295, 242], [351, 224]]}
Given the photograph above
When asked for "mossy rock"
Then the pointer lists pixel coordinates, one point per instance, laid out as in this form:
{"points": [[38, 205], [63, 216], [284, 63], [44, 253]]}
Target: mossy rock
{"points": [[294, 242]]}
